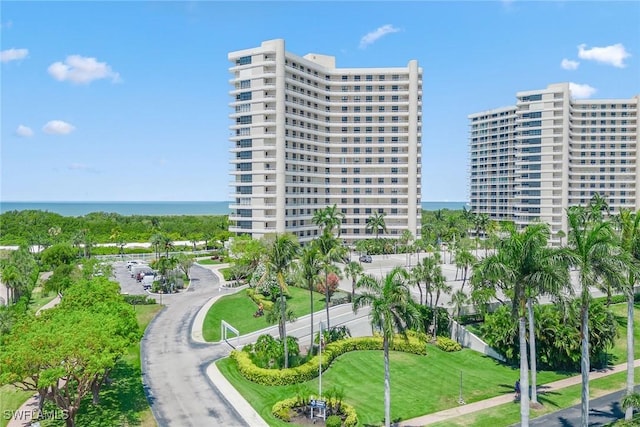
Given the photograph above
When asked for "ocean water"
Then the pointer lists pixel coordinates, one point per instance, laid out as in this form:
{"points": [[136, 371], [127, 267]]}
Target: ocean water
{"points": [[157, 208]]}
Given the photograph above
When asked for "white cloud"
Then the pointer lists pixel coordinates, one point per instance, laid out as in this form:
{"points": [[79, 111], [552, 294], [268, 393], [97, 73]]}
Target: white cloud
{"points": [[24, 131], [82, 70], [13, 54], [611, 55], [568, 64], [581, 91], [373, 36], [58, 127]]}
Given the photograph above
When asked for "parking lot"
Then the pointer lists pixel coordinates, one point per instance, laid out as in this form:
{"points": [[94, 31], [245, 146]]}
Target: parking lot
{"points": [[128, 284]]}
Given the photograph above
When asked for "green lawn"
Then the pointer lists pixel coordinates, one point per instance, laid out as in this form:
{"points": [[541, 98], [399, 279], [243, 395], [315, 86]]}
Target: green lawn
{"points": [[419, 384], [237, 309], [39, 299], [619, 351], [11, 399], [509, 413]]}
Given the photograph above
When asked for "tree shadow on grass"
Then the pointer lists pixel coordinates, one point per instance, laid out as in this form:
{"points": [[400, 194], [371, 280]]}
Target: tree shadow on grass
{"points": [[121, 402]]}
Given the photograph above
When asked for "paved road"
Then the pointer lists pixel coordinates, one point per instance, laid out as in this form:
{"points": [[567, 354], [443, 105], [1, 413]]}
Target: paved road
{"points": [[602, 411], [179, 391]]}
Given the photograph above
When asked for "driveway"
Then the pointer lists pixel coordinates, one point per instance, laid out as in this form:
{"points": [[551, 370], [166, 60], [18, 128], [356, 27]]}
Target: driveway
{"points": [[174, 368]]}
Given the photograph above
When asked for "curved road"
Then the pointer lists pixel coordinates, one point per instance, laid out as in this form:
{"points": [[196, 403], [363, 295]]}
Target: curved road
{"points": [[174, 368]]}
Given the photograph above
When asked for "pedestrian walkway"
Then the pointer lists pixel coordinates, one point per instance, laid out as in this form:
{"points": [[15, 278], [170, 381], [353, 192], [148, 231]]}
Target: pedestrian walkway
{"points": [[447, 414]]}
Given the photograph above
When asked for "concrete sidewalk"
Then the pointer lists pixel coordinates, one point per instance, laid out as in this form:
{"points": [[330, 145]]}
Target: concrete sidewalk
{"points": [[508, 398]]}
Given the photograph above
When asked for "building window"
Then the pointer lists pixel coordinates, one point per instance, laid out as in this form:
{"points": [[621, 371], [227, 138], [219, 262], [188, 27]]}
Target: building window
{"points": [[243, 60]]}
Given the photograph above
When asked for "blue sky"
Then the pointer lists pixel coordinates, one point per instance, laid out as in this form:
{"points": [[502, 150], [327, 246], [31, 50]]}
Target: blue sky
{"points": [[128, 101]]}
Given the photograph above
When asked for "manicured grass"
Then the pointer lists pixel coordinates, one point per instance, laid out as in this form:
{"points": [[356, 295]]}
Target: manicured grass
{"points": [[419, 384], [39, 299], [238, 309], [509, 413], [11, 398], [619, 350]]}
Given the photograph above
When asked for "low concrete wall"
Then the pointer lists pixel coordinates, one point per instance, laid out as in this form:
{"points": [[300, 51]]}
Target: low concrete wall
{"points": [[472, 341]]}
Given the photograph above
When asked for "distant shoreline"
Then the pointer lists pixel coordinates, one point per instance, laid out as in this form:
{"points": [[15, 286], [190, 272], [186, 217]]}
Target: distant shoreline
{"points": [[158, 208]]}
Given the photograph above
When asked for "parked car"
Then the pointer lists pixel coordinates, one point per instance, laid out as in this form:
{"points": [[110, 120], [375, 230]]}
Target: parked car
{"points": [[365, 258]]}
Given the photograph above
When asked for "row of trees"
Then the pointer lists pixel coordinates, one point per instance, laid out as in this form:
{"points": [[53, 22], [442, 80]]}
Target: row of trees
{"points": [[38, 228], [67, 352], [605, 254]]}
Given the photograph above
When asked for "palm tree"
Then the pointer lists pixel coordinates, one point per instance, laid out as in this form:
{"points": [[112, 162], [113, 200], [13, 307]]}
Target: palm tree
{"points": [[630, 243], [522, 267], [280, 256], [405, 238], [593, 252], [156, 241], [310, 268], [631, 402], [331, 250], [464, 261], [328, 218], [440, 286], [480, 222], [10, 276], [353, 270], [458, 300], [376, 223], [167, 244], [392, 310], [418, 274]]}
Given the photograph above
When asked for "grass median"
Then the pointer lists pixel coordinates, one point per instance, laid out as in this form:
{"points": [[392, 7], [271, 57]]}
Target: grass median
{"points": [[238, 309], [509, 413]]}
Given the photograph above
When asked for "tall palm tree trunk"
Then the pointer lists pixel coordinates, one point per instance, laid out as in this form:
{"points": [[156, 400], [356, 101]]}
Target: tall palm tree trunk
{"points": [[524, 373], [311, 298], [630, 346], [326, 297], [532, 352], [283, 322], [585, 364], [387, 384]]}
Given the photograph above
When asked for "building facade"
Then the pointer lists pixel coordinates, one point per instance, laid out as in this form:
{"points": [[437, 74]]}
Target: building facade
{"points": [[531, 161], [306, 135]]}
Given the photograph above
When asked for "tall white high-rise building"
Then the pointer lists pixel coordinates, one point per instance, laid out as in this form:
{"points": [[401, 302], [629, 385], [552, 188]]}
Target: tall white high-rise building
{"points": [[531, 161], [307, 135]]}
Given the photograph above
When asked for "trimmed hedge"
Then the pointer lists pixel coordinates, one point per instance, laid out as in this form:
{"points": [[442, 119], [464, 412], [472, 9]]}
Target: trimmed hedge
{"points": [[139, 299], [447, 344], [282, 409], [309, 370]]}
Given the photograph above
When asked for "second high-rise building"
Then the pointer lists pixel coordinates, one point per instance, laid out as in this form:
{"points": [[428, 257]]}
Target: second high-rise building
{"points": [[307, 135], [531, 161]]}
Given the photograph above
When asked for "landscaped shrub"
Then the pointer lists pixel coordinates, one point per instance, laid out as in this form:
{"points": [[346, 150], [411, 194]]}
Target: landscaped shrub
{"points": [[268, 352], [447, 344], [139, 299], [282, 410], [258, 298], [333, 421], [426, 317], [557, 335], [309, 370]]}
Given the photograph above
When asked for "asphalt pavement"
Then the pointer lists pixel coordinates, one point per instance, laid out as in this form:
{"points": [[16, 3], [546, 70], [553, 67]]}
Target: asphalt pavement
{"points": [[602, 411], [174, 367]]}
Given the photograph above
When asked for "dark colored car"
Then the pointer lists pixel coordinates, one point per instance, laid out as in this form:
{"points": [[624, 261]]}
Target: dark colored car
{"points": [[365, 258]]}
